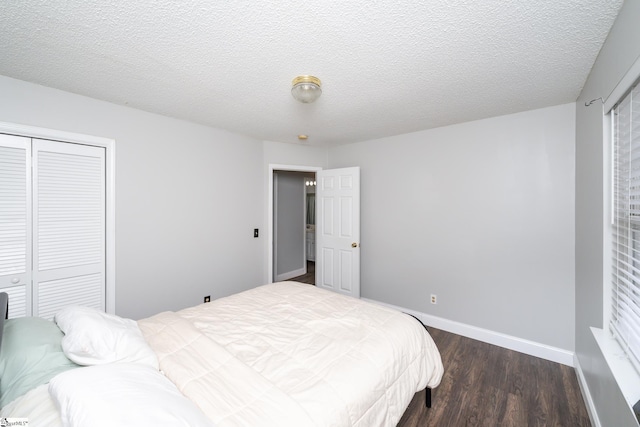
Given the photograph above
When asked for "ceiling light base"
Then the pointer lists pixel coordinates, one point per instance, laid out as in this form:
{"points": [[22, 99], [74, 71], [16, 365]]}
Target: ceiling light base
{"points": [[306, 89]]}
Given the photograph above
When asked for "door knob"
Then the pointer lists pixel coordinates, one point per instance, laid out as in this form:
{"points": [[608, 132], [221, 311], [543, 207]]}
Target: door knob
{"points": [[354, 245], [15, 280]]}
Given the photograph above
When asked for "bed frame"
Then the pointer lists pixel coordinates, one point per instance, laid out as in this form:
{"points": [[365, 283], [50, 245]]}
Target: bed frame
{"points": [[427, 391]]}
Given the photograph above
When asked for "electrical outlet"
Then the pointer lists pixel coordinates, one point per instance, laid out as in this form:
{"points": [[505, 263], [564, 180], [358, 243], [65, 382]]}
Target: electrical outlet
{"points": [[207, 298], [434, 299]]}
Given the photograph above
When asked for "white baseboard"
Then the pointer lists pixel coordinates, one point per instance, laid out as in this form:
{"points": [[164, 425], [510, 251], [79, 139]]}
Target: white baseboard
{"points": [[531, 348], [290, 274], [586, 395]]}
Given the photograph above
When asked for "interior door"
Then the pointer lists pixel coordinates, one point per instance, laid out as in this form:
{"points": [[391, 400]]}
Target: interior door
{"points": [[338, 230], [15, 223], [68, 226]]}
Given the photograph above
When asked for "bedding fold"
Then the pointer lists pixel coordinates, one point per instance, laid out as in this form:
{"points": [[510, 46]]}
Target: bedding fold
{"points": [[292, 354], [226, 390]]}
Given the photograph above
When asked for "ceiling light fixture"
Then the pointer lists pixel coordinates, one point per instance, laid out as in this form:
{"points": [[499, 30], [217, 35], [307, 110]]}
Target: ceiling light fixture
{"points": [[306, 89]]}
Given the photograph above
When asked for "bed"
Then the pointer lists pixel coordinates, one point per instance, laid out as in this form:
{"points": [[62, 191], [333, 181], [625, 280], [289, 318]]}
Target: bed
{"points": [[283, 354]]}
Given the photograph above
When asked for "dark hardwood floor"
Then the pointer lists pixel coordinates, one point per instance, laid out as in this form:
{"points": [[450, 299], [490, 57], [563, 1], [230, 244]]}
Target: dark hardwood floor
{"points": [[486, 385], [310, 277]]}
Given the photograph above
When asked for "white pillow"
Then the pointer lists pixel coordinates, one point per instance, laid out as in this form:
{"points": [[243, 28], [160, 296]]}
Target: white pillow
{"points": [[122, 394], [93, 337]]}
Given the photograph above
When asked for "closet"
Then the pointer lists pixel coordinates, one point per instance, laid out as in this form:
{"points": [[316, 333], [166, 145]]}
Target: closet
{"points": [[52, 225]]}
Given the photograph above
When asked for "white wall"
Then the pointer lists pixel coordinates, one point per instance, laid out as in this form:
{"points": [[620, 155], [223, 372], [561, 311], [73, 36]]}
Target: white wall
{"points": [[187, 197], [620, 51], [481, 214]]}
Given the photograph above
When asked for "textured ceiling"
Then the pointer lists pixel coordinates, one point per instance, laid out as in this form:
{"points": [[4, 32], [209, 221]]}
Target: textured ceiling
{"points": [[387, 67]]}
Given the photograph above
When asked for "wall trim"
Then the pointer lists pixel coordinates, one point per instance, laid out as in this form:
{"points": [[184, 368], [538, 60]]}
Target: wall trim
{"points": [[586, 395], [623, 86], [510, 342]]}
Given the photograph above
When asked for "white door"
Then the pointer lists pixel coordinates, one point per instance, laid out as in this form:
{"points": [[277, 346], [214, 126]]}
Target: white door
{"points": [[15, 223], [52, 225], [68, 226], [338, 230]]}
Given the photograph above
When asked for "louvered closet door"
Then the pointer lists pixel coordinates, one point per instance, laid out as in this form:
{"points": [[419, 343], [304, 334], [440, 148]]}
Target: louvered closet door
{"points": [[68, 226], [15, 223]]}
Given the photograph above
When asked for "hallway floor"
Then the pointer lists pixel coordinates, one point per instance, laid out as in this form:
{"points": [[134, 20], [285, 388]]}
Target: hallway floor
{"points": [[310, 277]]}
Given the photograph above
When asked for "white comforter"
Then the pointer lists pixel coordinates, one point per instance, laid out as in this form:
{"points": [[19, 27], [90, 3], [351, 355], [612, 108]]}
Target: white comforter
{"points": [[284, 354], [288, 354]]}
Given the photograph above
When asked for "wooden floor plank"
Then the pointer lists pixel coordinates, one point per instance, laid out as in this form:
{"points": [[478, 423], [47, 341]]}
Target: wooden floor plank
{"points": [[310, 276], [486, 385]]}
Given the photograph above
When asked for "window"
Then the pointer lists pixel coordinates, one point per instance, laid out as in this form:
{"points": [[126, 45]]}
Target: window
{"points": [[625, 309]]}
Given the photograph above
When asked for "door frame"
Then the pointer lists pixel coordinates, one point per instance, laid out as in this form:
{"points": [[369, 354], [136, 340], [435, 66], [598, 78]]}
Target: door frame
{"points": [[271, 170], [110, 233]]}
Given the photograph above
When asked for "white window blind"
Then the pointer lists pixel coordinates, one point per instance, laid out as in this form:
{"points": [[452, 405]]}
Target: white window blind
{"points": [[625, 313]]}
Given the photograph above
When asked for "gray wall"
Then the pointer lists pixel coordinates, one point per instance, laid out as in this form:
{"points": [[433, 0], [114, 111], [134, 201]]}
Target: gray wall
{"points": [[481, 214], [289, 218], [187, 197], [619, 52]]}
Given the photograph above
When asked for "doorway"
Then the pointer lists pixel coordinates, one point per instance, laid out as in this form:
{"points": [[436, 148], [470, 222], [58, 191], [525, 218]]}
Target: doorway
{"points": [[294, 244], [289, 225], [337, 243], [310, 277]]}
